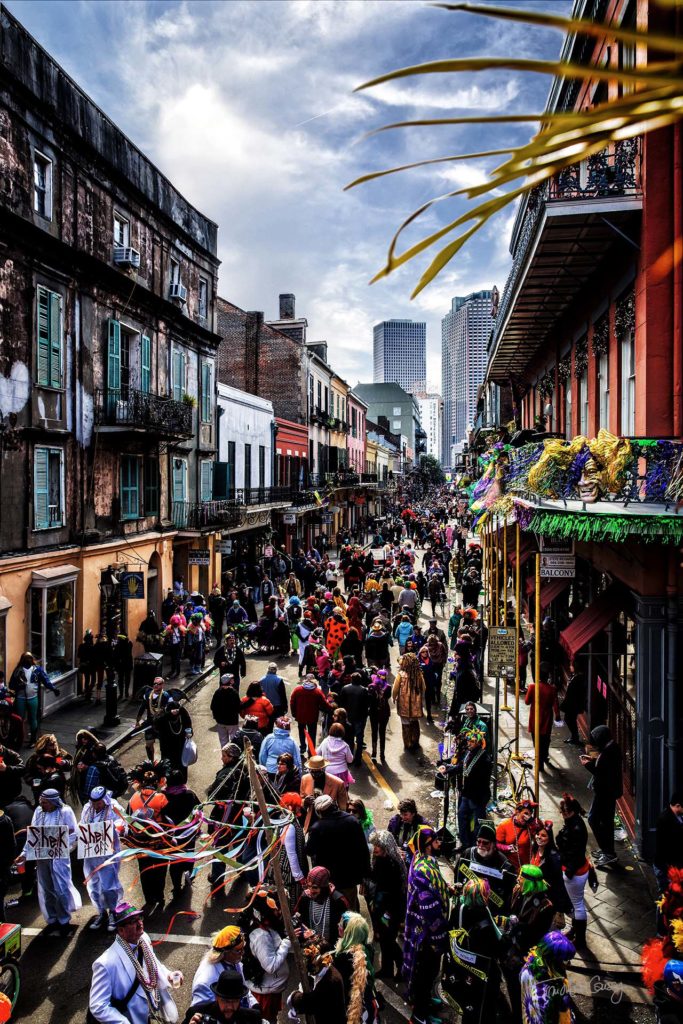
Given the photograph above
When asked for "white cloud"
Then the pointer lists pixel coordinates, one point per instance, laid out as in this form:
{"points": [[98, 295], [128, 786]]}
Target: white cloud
{"points": [[473, 97]]}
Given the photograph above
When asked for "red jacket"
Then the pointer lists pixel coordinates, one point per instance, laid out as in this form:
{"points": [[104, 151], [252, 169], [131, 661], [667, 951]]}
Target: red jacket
{"points": [[307, 702], [549, 708]]}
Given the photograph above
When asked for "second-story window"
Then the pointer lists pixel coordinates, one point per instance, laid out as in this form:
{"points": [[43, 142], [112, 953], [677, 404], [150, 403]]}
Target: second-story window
{"points": [[178, 374], [207, 391], [320, 395], [310, 392], [49, 342], [42, 186], [174, 271], [583, 403], [603, 389], [203, 301], [48, 488], [628, 385], [121, 230]]}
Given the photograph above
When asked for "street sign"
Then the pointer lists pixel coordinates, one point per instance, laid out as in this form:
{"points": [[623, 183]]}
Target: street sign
{"points": [[502, 650], [289, 518], [555, 567], [225, 547], [199, 556], [326, 518], [556, 546], [132, 586]]}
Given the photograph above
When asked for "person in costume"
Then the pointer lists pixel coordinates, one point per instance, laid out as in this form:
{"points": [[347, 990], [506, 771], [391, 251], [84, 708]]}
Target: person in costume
{"points": [[57, 896], [534, 914], [227, 950], [668, 998], [426, 926], [325, 1000], [353, 960], [101, 878], [152, 707], [408, 693], [147, 807], [270, 950], [128, 981], [481, 933], [225, 1004], [545, 997], [385, 893], [173, 728], [513, 835], [321, 907], [474, 786]]}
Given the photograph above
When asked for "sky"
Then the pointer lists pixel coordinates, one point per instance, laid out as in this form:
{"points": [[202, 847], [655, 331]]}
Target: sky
{"points": [[248, 107]]}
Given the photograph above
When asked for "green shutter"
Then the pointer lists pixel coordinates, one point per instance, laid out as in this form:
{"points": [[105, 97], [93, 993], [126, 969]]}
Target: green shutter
{"points": [[43, 337], [41, 488], [178, 374], [178, 480], [130, 487], [206, 391], [145, 364], [55, 340], [114, 357], [206, 480]]}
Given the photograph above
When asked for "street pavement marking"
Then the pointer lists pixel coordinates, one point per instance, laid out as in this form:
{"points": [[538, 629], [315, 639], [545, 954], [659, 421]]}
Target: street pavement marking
{"points": [[394, 1000], [380, 780], [186, 940]]}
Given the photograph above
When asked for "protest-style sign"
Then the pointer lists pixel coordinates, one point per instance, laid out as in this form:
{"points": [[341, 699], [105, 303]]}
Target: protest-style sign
{"points": [[95, 839], [47, 842]]}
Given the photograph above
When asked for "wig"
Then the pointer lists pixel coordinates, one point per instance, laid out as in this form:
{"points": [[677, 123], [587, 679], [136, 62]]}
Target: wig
{"points": [[356, 932], [476, 893]]}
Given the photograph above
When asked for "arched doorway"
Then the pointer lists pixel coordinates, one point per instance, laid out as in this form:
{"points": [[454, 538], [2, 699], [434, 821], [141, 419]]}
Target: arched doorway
{"points": [[154, 584]]}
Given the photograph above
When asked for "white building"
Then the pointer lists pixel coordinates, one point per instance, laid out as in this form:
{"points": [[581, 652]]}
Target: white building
{"points": [[431, 419], [319, 410], [465, 333], [246, 425]]}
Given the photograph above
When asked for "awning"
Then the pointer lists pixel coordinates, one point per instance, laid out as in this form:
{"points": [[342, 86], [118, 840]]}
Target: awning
{"points": [[54, 574], [550, 589], [592, 620], [526, 549]]}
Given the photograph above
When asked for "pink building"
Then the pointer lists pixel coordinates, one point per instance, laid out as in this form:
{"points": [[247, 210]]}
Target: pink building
{"points": [[355, 439]]}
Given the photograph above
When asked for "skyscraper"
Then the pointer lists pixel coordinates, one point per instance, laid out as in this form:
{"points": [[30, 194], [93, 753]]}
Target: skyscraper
{"points": [[464, 336], [400, 354], [431, 419]]}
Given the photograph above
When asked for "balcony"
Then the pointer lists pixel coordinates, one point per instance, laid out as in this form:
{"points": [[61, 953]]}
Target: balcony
{"points": [[130, 410], [198, 515], [235, 510], [561, 237]]}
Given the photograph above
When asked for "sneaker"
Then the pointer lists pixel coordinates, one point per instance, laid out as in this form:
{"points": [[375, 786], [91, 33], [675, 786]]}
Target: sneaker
{"points": [[99, 922], [607, 860], [111, 924], [187, 877]]}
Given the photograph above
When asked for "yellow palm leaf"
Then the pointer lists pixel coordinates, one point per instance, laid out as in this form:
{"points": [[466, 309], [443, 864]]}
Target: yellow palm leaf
{"points": [[424, 163]]}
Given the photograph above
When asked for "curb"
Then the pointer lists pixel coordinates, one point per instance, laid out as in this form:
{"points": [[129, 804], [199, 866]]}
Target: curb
{"points": [[123, 737]]}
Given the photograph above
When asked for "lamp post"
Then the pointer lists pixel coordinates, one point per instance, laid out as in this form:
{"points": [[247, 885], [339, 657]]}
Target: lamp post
{"points": [[108, 585]]}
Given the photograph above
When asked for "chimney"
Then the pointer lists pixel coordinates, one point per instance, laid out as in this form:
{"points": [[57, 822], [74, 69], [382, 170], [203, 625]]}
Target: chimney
{"points": [[253, 327], [287, 303]]}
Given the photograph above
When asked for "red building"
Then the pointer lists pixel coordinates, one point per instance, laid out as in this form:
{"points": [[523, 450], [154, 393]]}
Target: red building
{"points": [[589, 336]]}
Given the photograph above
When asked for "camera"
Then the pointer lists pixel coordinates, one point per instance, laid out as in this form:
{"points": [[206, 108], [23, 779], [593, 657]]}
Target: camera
{"points": [[206, 1019], [297, 921]]}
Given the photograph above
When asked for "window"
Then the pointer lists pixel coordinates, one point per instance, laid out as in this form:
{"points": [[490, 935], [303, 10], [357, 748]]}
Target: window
{"points": [[395, 424], [327, 399], [628, 385], [247, 467], [261, 466], [397, 410], [114, 356], [49, 359], [203, 304], [568, 410], [320, 395], [151, 473], [178, 374], [583, 403], [310, 392], [232, 466], [48, 488], [42, 186], [207, 390], [603, 389], [145, 364], [174, 271], [121, 230], [206, 480], [52, 624], [179, 483], [130, 487]]}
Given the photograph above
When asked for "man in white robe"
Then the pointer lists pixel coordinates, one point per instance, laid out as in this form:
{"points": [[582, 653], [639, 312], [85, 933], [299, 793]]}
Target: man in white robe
{"points": [[128, 981], [57, 896], [101, 878]]}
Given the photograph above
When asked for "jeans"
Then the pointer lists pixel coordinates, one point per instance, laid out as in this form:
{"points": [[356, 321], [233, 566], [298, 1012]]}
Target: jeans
{"points": [[28, 707], [601, 820], [378, 729], [576, 887], [312, 728], [356, 744], [467, 810]]}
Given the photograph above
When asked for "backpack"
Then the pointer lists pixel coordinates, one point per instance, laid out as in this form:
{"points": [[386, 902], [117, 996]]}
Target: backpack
{"points": [[113, 776]]}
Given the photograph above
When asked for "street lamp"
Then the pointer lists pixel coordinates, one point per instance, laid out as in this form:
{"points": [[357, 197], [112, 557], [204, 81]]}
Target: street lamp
{"points": [[108, 585]]}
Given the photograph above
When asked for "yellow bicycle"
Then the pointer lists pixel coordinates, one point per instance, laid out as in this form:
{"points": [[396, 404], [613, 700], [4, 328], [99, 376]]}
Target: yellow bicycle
{"points": [[512, 781]]}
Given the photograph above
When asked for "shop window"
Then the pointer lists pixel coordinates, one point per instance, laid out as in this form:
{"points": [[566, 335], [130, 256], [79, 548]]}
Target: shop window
{"points": [[52, 625]]}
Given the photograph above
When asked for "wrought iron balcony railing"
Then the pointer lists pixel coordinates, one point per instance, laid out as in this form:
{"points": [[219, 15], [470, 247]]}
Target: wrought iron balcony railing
{"points": [[129, 408], [227, 512]]}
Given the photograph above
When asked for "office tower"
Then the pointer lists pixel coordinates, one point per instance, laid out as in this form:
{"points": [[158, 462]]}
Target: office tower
{"points": [[400, 354], [465, 333], [431, 419]]}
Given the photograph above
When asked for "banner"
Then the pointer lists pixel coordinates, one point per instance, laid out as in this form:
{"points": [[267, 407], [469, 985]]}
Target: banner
{"points": [[47, 842], [95, 839]]}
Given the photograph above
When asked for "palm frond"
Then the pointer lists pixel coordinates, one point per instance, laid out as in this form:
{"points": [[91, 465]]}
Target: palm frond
{"points": [[425, 163]]}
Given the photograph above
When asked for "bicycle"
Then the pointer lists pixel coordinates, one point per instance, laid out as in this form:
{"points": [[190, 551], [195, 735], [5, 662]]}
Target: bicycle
{"points": [[518, 788], [244, 640], [10, 951]]}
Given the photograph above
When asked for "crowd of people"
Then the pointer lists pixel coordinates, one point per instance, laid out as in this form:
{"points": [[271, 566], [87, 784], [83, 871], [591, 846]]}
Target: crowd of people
{"points": [[366, 902]]}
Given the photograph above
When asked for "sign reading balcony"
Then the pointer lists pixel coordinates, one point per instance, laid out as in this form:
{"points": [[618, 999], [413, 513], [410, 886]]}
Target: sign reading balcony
{"points": [[554, 567]]}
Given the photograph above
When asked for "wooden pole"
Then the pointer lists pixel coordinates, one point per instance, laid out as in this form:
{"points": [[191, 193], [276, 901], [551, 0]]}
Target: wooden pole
{"points": [[537, 674], [518, 625], [496, 572], [257, 789], [506, 706]]}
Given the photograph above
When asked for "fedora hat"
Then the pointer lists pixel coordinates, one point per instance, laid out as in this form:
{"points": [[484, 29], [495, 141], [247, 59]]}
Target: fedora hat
{"points": [[316, 763]]}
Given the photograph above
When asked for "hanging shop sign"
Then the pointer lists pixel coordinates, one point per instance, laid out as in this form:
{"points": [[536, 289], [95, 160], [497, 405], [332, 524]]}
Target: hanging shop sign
{"points": [[268, 551], [199, 556], [502, 645], [289, 518], [555, 567], [556, 546], [225, 547], [132, 586]]}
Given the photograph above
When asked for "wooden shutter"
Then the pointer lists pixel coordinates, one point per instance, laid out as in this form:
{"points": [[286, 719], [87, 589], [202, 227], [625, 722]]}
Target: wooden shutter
{"points": [[114, 356], [205, 480], [41, 488], [55, 340], [178, 374], [145, 364], [178, 480], [206, 391], [43, 337]]}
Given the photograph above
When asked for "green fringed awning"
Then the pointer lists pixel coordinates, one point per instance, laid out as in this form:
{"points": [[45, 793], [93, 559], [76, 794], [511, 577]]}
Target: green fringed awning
{"points": [[591, 526]]}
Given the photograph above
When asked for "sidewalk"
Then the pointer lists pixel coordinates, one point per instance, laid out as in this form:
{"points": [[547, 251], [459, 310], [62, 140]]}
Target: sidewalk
{"points": [[66, 722]]}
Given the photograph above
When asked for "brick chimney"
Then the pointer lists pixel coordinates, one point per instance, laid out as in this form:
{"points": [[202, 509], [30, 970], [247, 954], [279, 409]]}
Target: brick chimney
{"points": [[252, 355], [287, 305]]}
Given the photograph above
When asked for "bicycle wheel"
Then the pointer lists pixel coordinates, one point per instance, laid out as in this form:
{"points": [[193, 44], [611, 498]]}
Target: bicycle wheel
{"points": [[526, 793], [10, 981]]}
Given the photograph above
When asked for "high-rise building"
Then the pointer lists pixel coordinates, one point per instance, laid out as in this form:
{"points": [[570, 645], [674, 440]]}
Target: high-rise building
{"points": [[431, 419], [400, 354], [464, 336]]}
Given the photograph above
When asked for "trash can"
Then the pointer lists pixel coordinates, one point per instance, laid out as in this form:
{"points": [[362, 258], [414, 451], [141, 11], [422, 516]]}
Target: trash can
{"points": [[145, 668]]}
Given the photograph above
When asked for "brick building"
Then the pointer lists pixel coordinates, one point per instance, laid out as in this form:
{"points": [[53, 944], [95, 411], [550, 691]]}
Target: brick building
{"points": [[108, 283]]}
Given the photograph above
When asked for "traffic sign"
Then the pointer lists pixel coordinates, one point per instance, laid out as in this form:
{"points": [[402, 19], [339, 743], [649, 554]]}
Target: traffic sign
{"points": [[502, 650], [558, 567]]}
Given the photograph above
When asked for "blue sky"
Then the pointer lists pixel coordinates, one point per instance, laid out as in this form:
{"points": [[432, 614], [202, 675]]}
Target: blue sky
{"points": [[248, 107]]}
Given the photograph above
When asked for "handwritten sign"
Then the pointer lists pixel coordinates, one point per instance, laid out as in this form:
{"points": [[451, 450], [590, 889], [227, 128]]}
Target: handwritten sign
{"points": [[95, 839], [47, 842]]}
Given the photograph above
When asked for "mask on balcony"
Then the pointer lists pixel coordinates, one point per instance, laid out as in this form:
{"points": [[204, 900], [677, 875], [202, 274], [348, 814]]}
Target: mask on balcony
{"points": [[590, 482]]}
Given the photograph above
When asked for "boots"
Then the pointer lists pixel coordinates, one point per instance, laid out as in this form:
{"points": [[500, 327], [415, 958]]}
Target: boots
{"points": [[407, 734], [415, 735], [571, 931], [579, 937]]}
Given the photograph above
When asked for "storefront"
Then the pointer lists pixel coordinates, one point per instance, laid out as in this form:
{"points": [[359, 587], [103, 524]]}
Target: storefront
{"points": [[52, 628]]}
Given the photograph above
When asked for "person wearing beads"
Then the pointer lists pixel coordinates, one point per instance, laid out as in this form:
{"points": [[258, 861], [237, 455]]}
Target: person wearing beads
{"points": [[101, 878], [57, 896], [226, 954], [129, 983]]}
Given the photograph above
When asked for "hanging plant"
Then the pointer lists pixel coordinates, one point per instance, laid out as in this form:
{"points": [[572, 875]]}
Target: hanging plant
{"points": [[600, 342], [625, 315], [580, 357], [545, 385], [564, 369]]}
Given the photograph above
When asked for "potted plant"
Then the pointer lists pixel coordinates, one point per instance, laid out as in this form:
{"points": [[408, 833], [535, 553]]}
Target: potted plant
{"points": [[189, 400]]}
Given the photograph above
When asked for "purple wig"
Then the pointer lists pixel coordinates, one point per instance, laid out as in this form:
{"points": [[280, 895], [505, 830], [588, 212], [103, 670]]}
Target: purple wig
{"points": [[556, 946]]}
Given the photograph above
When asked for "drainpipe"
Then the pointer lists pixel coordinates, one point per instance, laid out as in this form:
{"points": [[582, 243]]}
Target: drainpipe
{"points": [[672, 701]]}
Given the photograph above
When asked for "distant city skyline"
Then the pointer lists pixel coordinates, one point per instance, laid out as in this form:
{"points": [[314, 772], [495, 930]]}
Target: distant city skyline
{"points": [[399, 350], [465, 331]]}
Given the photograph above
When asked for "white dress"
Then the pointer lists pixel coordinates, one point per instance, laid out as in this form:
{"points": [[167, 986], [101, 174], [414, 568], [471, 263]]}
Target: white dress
{"points": [[103, 885], [56, 894]]}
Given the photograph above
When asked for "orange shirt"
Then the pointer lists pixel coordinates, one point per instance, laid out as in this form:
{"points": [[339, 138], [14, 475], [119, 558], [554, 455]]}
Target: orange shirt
{"points": [[509, 834]]}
